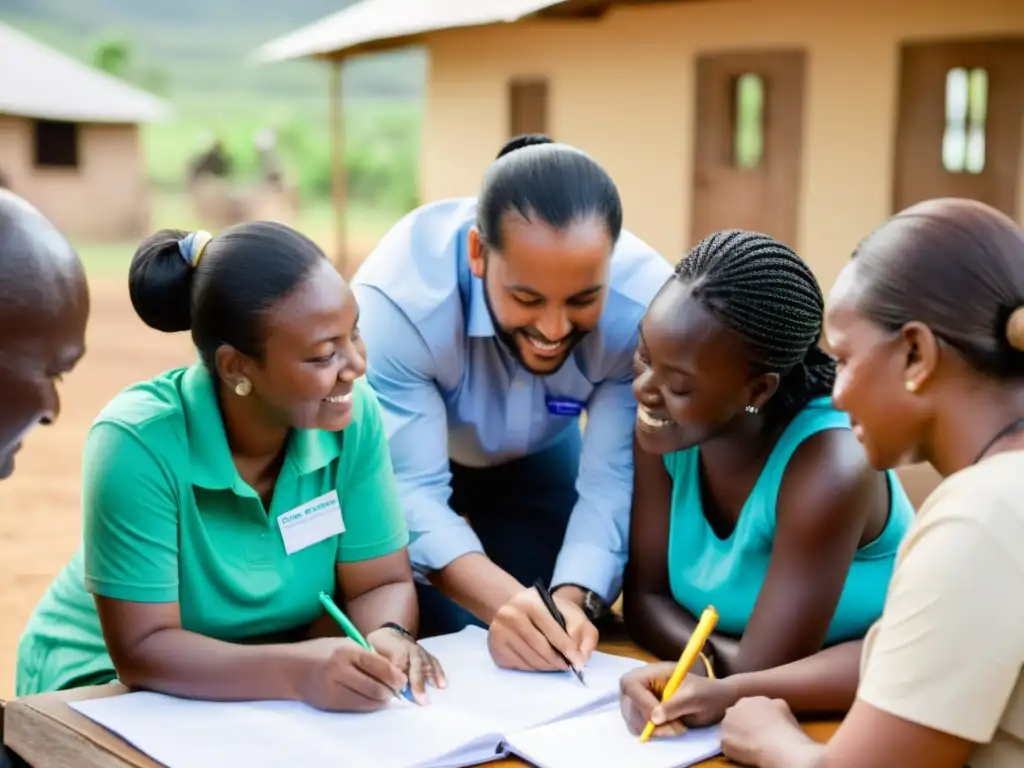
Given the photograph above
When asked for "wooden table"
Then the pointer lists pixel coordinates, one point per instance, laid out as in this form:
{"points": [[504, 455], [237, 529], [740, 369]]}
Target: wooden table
{"points": [[47, 733]]}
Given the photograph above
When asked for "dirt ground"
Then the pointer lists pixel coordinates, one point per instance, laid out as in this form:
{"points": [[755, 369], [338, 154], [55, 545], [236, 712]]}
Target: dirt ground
{"points": [[40, 520]]}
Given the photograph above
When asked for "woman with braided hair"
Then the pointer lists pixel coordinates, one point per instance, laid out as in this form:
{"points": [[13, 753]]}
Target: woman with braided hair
{"points": [[927, 325], [751, 492]]}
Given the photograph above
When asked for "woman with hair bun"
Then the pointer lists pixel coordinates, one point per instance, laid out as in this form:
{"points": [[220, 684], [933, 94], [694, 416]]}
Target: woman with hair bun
{"points": [[220, 499], [927, 325]]}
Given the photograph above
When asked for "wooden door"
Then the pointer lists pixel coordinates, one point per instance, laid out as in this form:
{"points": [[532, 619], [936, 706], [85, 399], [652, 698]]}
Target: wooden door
{"points": [[749, 131], [528, 106], [960, 119]]}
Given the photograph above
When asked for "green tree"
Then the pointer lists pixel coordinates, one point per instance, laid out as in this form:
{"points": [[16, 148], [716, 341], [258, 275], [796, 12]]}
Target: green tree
{"points": [[113, 57]]}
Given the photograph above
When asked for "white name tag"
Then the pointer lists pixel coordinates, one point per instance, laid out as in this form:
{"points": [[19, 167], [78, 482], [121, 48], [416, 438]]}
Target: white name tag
{"points": [[311, 522]]}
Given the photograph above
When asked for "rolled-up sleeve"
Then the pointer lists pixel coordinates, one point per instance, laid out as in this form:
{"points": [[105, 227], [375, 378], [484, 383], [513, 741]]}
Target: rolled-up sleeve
{"points": [[597, 538], [400, 368]]}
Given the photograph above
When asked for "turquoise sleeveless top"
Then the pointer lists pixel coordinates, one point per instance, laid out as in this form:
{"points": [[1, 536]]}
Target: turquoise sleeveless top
{"points": [[727, 573]]}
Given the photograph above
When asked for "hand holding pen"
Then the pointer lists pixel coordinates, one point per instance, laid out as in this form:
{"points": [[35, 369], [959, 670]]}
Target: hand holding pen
{"points": [[381, 656], [339, 675], [549, 603], [524, 634]]}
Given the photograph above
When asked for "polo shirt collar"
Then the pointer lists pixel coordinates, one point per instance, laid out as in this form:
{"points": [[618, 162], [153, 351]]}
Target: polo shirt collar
{"points": [[309, 450]]}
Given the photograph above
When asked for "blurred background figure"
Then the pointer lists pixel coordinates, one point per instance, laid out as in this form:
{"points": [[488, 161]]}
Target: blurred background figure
{"points": [[270, 163], [213, 160]]}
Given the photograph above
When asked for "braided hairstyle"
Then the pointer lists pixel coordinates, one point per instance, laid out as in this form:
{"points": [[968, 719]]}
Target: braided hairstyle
{"points": [[764, 292]]}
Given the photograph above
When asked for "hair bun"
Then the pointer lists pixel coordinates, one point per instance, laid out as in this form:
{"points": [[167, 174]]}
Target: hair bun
{"points": [[1015, 329], [524, 140]]}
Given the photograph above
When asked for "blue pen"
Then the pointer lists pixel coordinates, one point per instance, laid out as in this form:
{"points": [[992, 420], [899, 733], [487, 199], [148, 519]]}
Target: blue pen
{"points": [[350, 629]]}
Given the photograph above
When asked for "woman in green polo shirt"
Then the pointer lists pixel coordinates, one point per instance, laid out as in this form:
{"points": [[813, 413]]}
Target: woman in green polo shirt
{"points": [[221, 498]]}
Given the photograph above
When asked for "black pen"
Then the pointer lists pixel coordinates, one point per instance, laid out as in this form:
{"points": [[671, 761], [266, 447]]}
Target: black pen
{"points": [[556, 614]]}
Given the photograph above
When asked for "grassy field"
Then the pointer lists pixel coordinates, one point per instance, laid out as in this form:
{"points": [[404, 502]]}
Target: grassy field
{"points": [[381, 145], [365, 227], [215, 89]]}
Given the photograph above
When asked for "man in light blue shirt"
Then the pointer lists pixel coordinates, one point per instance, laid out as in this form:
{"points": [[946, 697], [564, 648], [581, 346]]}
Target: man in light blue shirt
{"points": [[491, 324]]}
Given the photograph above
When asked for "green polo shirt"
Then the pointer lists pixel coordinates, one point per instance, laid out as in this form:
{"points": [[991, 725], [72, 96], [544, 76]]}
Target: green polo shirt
{"points": [[167, 518]]}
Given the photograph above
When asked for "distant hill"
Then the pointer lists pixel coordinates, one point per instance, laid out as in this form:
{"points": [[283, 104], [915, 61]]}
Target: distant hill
{"points": [[195, 50]]}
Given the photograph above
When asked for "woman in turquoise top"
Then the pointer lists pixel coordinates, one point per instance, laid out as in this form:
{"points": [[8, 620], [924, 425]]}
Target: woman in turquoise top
{"points": [[751, 492], [220, 499]]}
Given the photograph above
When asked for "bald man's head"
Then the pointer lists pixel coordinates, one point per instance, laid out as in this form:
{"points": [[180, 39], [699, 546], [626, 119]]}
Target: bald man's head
{"points": [[44, 306]]}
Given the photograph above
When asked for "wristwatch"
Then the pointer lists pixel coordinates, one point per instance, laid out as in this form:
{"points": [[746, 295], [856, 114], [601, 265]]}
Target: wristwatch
{"points": [[595, 608], [399, 629]]}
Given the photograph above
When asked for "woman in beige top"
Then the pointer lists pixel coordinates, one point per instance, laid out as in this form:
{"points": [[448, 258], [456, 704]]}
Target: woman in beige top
{"points": [[927, 326]]}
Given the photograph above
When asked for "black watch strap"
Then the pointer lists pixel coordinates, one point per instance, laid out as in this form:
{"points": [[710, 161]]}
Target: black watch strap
{"points": [[399, 629], [594, 606]]}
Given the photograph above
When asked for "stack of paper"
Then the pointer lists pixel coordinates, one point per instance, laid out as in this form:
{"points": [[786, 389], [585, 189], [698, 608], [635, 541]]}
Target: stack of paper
{"points": [[483, 713]]}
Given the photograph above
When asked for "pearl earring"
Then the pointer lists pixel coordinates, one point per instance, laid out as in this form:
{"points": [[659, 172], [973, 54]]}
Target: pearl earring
{"points": [[751, 409], [243, 387], [911, 386]]}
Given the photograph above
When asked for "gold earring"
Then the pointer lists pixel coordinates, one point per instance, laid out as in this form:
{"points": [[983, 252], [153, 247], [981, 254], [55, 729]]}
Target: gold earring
{"points": [[243, 387]]}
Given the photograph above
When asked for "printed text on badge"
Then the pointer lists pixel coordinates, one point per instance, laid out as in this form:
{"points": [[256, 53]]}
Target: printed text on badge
{"points": [[312, 522]]}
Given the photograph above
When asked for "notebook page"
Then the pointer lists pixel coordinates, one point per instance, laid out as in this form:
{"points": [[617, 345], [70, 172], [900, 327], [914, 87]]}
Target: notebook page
{"points": [[602, 739], [182, 733], [463, 725], [403, 735], [510, 700]]}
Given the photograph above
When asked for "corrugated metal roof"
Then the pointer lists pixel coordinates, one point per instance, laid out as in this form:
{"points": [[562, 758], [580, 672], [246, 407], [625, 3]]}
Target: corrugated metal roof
{"points": [[370, 21], [37, 81]]}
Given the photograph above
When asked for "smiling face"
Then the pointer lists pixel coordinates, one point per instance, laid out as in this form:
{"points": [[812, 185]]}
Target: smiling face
{"points": [[873, 366], [547, 287], [312, 355], [692, 374], [38, 350], [44, 309]]}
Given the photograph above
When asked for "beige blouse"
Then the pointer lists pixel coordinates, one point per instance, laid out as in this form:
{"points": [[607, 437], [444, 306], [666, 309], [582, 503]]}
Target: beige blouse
{"points": [[948, 649]]}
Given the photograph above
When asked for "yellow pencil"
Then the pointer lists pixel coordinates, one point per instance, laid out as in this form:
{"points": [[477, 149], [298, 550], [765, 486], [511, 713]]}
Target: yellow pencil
{"points": [[700, 635]]}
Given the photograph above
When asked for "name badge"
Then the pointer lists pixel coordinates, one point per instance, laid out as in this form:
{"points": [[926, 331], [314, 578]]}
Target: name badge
{"points": [[311, 522], [563, 406]]}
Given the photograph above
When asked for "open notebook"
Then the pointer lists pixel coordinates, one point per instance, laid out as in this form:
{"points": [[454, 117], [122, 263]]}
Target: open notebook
{"points": [[466, 724], [602, 739]]}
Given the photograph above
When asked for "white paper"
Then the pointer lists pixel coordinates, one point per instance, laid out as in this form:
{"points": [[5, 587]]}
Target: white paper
{"points": [[181, 732], [510, 700], [403, 735], [464, 724], [602, 739]]}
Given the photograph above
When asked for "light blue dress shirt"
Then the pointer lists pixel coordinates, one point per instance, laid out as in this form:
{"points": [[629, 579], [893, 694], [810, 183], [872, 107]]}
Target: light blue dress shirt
{"points": [[450, 389]]}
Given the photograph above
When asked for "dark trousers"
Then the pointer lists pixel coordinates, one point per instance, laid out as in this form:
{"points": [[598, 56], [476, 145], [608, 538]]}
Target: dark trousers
{"points": [[519, 510], [8, 759]]}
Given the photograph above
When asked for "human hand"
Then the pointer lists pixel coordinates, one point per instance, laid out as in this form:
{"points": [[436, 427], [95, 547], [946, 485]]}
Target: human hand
{"points": [[412, 658], [700, 701], [757, 730], [340, 675], [524, 635]]}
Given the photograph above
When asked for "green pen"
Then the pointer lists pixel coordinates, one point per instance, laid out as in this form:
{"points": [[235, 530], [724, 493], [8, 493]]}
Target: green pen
{"points": [[350, 629]]}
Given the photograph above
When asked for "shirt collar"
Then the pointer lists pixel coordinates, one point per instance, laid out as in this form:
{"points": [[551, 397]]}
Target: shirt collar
{"points": [[478, 317], [309, 450], [478, 321]]}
